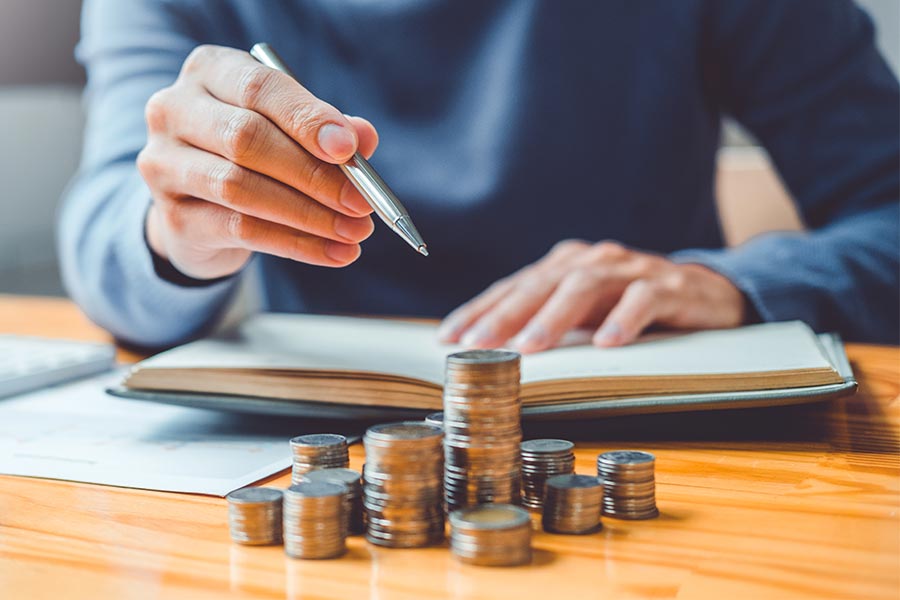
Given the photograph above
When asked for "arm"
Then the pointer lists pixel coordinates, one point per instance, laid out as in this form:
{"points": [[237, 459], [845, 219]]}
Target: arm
{"points": [[234, 158], [130, 51], [806, 79]]}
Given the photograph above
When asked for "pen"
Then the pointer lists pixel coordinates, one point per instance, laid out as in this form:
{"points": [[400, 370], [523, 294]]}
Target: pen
{"points": [[360, 172]]}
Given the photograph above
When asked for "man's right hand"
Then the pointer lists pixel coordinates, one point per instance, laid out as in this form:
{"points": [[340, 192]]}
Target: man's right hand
{"points": [[240, 158]]}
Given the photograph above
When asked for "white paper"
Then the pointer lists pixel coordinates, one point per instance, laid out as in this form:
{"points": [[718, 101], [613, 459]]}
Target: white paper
{"points": [[412, 350], [79, 433]]}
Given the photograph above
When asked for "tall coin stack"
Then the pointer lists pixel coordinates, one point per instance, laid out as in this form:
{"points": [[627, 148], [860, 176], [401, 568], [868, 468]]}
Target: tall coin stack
{"points": [[572, 504], [542, 459], [254, 516], [497, 535], [402, 485], [313, 520], [318, 451], [629, 484], [353, 518], [482, 430]]}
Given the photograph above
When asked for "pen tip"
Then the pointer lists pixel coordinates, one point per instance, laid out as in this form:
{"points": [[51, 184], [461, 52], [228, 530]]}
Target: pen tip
{"points": [[423, 250]]}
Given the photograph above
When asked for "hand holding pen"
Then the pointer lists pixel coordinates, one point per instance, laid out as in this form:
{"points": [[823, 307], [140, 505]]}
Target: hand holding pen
{"points": [[241, 158]]}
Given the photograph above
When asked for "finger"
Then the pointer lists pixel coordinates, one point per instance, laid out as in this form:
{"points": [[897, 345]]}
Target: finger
{"points": [[235, 77], [366, 134], [210, 177], [216, 227], [639, 306], [249, 139], [511, 312], [550, 266], [459, 320], [579, 296]]}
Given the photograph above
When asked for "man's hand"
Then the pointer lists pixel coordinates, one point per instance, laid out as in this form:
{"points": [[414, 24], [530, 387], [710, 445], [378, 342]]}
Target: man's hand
{"points": [[241, 158], [605, 286]]}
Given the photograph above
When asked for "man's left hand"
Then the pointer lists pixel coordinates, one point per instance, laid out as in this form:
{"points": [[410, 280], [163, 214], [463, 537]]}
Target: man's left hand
{"points": [[616, 291]]}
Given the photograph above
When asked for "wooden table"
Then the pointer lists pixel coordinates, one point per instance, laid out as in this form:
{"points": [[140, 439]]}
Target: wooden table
{"points": [[804, 507]]}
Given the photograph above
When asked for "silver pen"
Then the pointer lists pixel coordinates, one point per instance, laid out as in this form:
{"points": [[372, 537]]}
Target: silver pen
{"points": [[360, 172]]}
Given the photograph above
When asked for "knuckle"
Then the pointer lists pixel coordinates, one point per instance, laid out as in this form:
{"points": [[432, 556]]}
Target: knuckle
{"points": [[608, 251], [306, 118], [568, 247], [242, 134], [156, 111], [227, 182], [197, 58], [319, 179], [580, 280], [238, 227], [253, 84], [676, 282]]}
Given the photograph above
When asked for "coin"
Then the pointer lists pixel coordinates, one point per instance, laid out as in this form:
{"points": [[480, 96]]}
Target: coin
{"points": [[482, 429], [491, 535], [255, 516], [629, 484], [541, 459], [572, 504], [353, 509], [436, 418], [314, 520], [318, 451], [402, 495]]}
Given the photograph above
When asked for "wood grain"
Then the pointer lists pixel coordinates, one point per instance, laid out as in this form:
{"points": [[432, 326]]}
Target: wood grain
{"points": [[795, 503]]}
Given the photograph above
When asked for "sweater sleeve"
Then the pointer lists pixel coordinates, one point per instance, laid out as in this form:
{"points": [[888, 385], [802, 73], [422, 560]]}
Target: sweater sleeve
{"points": [[130, 50], [806, 79]]}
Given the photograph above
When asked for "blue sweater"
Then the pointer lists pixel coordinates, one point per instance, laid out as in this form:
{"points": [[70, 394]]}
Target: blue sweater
{"points": [[507, 126]]}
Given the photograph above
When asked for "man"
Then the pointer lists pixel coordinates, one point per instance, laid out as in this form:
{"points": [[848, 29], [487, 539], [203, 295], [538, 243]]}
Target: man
{"points": [[506, 128]]}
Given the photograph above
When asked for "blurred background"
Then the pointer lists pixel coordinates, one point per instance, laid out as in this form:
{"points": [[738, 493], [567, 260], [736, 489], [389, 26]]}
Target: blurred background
{"points": [[40, 141]]}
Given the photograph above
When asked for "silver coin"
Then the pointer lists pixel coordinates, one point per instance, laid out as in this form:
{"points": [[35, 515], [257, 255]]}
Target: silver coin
{"points": [[254, 495]]}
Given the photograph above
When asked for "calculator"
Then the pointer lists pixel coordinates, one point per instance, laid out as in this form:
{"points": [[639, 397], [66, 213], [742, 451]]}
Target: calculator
{"points": [[30, 363]]}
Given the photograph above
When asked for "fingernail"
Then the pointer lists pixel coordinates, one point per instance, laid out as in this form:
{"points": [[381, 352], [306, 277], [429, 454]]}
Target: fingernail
{"points": [[349, 228], [530, 339], [336, 141], [341, 252], [608, 334], [477, 336], [352, 200], [448, 330]]}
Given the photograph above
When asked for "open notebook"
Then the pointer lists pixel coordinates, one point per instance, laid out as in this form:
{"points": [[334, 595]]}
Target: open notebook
{"points": [[389, 363]]}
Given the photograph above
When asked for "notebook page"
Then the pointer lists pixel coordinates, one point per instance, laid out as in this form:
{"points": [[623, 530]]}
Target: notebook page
{"points": [[281, 341], [752, 349]]}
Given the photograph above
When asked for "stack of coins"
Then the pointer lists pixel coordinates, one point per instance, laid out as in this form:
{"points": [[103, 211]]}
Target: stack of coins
{"points": [[542, 459], [629, 484], [402, 485], [353, 519], [482, 430], [318, 451], [254, 516], [572, 504], [313, 519], [496, 535], [435, 419]]}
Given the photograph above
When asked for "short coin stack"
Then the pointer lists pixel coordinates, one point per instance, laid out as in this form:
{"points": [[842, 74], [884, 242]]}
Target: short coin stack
{"points": [[482, 431], [542, 459], [353, 515], [402, 485], [435, 419], [572, 504], [313, 520], [491, 535], [629, 484], [254, 516], [318, 451]]}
